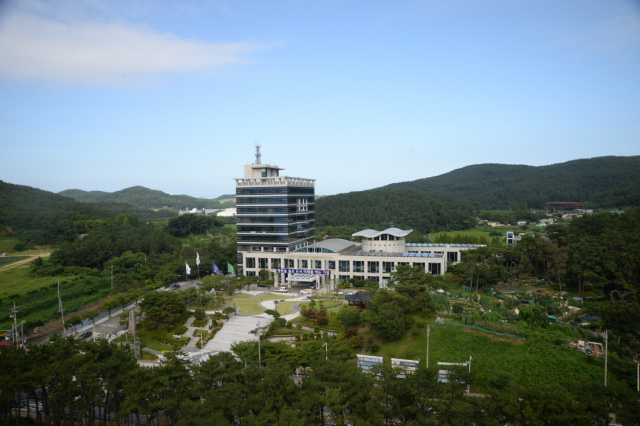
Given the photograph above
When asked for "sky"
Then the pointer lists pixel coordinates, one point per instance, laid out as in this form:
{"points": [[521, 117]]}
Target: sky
{"points": [[174, 95]]}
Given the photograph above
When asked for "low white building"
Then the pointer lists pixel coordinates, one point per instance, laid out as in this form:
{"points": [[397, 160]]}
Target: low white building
{"points": [[340, 260]]}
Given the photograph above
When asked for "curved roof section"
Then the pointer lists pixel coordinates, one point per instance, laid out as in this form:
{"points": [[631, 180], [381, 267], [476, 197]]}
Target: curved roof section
{"points": [[333, 245], [371, 233]]}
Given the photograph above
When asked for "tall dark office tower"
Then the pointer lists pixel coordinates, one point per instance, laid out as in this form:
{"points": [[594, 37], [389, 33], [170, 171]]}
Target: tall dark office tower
{"points": [[274, 213]]}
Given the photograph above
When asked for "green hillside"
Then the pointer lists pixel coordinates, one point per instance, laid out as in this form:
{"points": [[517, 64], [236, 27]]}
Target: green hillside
{"points": [[601, 182], [406, 208], [42, 217], [142, 197]]}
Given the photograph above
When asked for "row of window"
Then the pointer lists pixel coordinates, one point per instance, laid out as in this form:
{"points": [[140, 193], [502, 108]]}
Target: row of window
{"points": [[274, 190], [372, 267], [268, 210], [274, 200], [383, 237], [274, 219]]}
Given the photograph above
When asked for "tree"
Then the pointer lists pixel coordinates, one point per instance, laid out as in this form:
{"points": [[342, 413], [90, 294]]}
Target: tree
{"points": [[349, 315], [162, 308], [228, 310], [390, 321]]}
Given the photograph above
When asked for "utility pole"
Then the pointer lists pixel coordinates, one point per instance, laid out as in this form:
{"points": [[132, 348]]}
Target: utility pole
{"points": [[14, 315], [606, 347], [428, 335], [259, 358], [326, 351], [60, 308]]}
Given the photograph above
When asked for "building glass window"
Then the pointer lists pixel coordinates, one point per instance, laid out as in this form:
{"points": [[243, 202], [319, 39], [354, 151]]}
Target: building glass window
{"points": [[305, 264], [275, 263], [435, 268], [332, 264], [387, 267], [318, 264], [251, 262], [358, 266], [251, 273], [344, 266], [373, 279], [373, 267], [421, 265], [452, 256], [343, 278], [263, 263], [288, 263]]}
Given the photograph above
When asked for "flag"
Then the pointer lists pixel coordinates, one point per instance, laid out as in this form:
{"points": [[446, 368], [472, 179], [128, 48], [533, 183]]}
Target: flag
{"points": [[197, 259], [188, 269], [230, 269], [216, 270]]}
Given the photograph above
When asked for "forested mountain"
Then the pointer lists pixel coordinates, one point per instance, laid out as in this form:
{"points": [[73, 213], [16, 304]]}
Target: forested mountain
{"points": [[406, 208], [42, 217], [142, 197], [601, 182]]}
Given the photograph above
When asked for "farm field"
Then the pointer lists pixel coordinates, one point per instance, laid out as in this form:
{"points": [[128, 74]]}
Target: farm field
{"points": [[475, 232], [531, 361]]}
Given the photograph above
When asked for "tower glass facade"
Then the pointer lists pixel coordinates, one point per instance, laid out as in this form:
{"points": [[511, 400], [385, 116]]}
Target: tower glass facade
{"points": [[274, 213]]}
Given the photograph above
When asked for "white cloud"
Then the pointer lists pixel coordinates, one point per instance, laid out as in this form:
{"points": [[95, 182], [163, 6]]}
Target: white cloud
{"points": [[39, 49]]}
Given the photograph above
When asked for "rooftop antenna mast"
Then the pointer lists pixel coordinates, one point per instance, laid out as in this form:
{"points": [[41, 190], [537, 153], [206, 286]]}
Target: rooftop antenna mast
{"points": [[258, 156]]}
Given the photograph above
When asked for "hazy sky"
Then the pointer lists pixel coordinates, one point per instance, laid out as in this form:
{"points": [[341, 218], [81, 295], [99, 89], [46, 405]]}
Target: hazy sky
{"points": [[104, 95]]}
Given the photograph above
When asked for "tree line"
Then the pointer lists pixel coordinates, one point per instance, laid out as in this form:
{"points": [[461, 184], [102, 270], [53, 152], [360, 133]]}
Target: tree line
{"points": [[69, 381]]}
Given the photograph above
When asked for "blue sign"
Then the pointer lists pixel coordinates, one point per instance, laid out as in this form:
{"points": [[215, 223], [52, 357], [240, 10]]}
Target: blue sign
{"points": [[303, 271]]}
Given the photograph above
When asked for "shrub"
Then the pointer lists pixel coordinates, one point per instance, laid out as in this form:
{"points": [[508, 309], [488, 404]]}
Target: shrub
{"points": [[316, 329], [421, 324], [375, 348], [415, 331], [305, 337], [458, 309], [298, 337], [199, 314], [289, 324], [408, 322]]}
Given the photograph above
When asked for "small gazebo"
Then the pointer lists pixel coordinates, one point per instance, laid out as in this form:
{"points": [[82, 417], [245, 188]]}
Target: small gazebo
{"points": [[358, 300]]}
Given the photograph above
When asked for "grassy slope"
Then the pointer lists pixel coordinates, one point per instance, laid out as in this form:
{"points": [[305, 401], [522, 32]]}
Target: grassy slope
{"points": [[17, 280], [529, 362]]}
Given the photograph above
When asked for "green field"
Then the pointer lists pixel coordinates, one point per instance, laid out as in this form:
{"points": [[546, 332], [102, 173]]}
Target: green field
{"points": [[252, 306], [6, 244], [285, 308], [327, 304], [475, 232], [17, 281], [531, 361]]}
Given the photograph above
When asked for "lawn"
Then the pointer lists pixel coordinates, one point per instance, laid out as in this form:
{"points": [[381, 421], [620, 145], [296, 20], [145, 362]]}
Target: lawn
{"points": [[285, 308], [327, 304], [241, 296], [252, 306], [334, 323]]}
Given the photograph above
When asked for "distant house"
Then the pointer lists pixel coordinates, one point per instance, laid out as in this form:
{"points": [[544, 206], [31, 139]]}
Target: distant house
{"points": [[522, 222]]}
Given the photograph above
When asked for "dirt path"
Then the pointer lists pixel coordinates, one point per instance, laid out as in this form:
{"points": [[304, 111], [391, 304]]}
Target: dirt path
{"points": [[22, 262]]}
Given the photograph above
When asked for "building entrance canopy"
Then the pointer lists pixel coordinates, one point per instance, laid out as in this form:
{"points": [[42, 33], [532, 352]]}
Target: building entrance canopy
{"points": [[303, 278]]}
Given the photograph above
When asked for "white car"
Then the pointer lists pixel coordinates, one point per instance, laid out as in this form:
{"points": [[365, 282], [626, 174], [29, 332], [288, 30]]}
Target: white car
{"points": [[305, 292], [339, 293], [351, 293], [282, 290]]}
